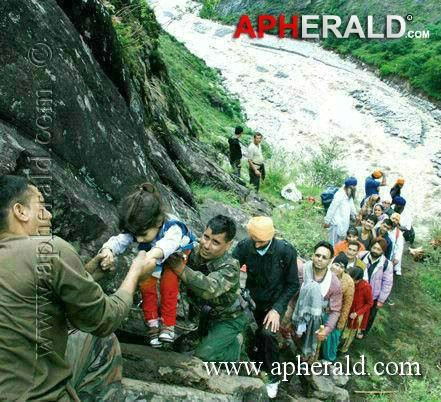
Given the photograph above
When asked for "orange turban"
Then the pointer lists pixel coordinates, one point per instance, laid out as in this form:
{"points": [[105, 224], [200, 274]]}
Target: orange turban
{"points": [[400, 181], [261, 228], [377, 174]]}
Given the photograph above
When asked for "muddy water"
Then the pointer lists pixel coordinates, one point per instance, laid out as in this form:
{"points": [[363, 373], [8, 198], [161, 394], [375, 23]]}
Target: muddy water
{"points": [[300, 95]]}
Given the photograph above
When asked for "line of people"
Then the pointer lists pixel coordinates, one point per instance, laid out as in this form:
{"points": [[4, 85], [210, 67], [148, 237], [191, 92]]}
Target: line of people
{"points": [[342, 292], [84, 362]]}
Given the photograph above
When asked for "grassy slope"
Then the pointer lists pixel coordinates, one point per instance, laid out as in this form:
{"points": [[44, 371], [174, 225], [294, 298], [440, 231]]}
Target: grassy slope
{"points": [[216, 113], [416, 60], [408, 331]]}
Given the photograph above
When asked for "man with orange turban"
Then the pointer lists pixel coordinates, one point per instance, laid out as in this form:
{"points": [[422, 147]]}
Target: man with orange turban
{"points": [[272, 280], [372, 184], [395, 191]]}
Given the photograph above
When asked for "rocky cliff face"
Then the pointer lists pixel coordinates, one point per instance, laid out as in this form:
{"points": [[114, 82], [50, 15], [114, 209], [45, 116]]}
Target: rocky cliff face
{"points": [[86, 123], [88, 112]]}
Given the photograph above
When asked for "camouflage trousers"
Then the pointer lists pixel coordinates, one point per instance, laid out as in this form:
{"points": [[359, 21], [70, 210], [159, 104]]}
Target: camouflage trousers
{"points": [[97, 370], [96, 367], [224, 340]]}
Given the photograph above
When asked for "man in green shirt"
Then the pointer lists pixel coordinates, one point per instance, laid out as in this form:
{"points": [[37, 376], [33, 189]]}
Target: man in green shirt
{"points": [[212, 280], [43, 285]]}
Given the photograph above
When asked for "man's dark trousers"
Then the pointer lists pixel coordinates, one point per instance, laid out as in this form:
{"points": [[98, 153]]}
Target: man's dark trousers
{"points": [[266, 343], [254, 179]]}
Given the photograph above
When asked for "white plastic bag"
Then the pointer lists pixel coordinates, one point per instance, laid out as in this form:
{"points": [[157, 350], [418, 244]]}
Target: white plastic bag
{"points": [[291, 193]]}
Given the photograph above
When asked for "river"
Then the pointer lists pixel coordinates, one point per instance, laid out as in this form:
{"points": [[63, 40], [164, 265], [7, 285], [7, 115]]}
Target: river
{"points": [[299, 95]]}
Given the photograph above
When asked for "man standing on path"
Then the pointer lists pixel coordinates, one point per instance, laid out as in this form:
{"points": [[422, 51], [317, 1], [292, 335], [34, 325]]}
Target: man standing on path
{"points": [[383, 231], [43, 283], [235, 150], [255, 161], [320, 300], [352, 254], [341, 211], [379, 274], [399, 204], [396, 235], [272, 280]]}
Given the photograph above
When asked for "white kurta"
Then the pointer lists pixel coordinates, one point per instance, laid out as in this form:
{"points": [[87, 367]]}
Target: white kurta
{"points": [[339, 215], [396, 236]]}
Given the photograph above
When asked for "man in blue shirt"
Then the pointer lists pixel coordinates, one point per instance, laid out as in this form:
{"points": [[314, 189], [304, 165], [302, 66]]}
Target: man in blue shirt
{"points": [[372, 184]]}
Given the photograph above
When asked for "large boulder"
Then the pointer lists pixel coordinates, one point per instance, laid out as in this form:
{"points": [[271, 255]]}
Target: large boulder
{"points": [[152, 365], [140, 390], [105, 128], [210, 208], [323, 387], [81, 213]]}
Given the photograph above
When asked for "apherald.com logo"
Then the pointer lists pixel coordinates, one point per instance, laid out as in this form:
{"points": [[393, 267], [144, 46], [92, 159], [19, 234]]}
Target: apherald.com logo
{"points": [[321, 26]]}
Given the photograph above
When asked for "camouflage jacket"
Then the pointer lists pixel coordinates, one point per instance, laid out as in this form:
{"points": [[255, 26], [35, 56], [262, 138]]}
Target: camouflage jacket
{"points": [[214, 283]]}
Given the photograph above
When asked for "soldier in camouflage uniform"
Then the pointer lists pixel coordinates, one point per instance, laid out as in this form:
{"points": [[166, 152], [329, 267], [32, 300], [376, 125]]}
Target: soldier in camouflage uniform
{"points": [[96, 365], [212, 280], [43, 286]]}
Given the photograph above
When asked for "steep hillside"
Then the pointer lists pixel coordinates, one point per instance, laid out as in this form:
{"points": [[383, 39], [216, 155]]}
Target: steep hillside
{"points": [[95, 99], [84, 87], [415, 60]]}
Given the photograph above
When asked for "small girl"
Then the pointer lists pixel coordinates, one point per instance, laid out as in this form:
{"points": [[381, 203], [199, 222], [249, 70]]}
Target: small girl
{"points": [[361, 306], [143, 220]]}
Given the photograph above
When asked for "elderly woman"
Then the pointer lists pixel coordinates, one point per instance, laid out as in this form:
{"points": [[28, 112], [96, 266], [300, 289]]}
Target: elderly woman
{"points": [[386, 201]]}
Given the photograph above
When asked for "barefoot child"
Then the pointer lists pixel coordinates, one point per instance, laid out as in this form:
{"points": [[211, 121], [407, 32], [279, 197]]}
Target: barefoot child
{"points": [[144, 220]]}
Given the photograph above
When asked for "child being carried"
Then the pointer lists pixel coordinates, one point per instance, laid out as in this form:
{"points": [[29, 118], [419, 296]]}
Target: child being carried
{"points": [[143, 220]]}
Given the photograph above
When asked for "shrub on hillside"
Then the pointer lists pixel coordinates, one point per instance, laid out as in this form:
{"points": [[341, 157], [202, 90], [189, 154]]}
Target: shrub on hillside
{"points": [[323, 168]]}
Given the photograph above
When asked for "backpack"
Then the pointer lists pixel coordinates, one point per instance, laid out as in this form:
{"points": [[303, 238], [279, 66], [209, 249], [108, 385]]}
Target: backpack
{"points": [[327, 196]]}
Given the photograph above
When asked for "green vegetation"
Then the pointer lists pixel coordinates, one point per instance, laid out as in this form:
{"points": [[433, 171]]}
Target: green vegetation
{"points": [[323, 168], [301, 223], [409, 331], [209, 9], [215, 112], [416, 60], [227, 197], [430, 274], [138, 37], [137, 31]]}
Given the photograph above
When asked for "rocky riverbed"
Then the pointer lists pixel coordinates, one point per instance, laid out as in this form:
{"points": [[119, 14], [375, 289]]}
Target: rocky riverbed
{"points": [[300, 95]]}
